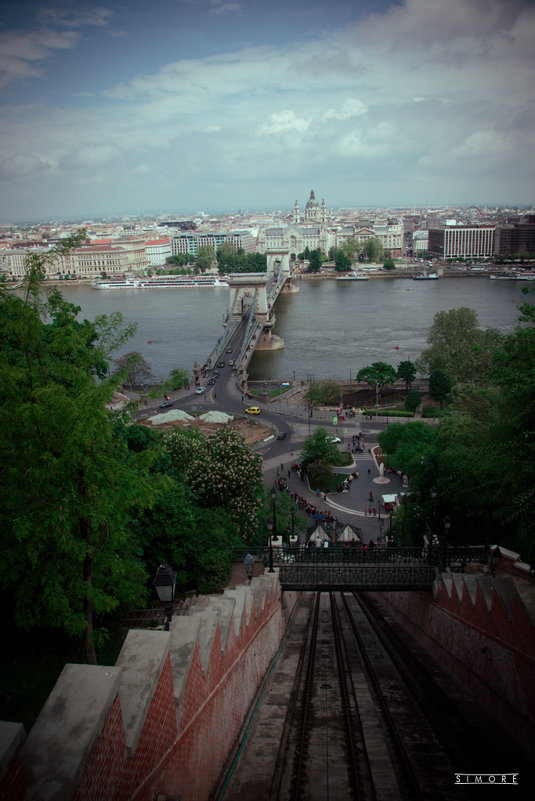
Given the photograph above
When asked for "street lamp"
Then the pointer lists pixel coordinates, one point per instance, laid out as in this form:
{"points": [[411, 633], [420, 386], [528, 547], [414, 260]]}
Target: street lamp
{"points": [[270, 532], [164, 584], [292, 513], [447, 526]]}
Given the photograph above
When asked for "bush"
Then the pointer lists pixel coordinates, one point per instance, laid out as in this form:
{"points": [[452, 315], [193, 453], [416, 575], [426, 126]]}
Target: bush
{"points": [[413, 400], [389, 413]]}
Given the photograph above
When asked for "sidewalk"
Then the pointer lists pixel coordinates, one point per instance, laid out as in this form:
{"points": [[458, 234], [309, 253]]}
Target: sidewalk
{"points": [[350, 506]]}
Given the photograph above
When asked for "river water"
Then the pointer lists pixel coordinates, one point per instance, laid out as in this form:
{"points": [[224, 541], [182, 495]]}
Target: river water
{"points": [[329, 328]]}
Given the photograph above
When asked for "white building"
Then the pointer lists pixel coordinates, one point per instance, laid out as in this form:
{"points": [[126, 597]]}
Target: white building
{"points": [[158, 251], [191, 241]]}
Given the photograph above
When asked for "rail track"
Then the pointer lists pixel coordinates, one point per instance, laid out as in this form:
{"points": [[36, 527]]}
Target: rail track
{"points": [[364, 720]]}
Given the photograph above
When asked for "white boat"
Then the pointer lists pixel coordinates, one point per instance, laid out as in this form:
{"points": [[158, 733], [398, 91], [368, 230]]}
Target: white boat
{"points": [[425, 277], [354, 277], [163, 282]]}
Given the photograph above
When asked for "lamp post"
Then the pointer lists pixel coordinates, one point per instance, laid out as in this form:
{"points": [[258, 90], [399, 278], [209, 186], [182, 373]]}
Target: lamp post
{"points": [[447, 526], [292, 514], [270, 532], [164, 584]]}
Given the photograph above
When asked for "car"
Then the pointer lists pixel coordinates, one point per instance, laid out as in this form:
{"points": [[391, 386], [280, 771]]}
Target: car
{"points": [[165, 403], [285, 384], [282, 435], [253, 410], [231, 362], [200, 390], [229, 350], [221, 364], [335, 439], [212, 381]]}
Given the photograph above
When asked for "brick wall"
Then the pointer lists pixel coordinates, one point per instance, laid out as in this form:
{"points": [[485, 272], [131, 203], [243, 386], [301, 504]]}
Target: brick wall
{"points": [[482, 630], [166, 716]]}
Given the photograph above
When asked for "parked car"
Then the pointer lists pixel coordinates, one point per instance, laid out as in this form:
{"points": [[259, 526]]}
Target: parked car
{"points": [[212, 381], [200, 390], [221, 364], [253, 410], [335, 439], [166, 403]]}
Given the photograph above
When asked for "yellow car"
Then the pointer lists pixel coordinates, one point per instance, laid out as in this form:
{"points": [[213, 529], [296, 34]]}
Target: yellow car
{"points": [[253, 410]]}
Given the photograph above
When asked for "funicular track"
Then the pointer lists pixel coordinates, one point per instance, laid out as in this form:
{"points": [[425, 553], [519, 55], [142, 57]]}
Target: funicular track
{"points": [[362, 719], [370, 723]]}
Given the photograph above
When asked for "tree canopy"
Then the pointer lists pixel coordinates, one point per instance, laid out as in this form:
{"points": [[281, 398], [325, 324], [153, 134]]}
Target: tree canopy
{"points": [[319, 447], [407, 372], [377, 374]]}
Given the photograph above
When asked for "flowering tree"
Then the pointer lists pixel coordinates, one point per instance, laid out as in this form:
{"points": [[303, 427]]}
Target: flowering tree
{"points": [[222, 473]]}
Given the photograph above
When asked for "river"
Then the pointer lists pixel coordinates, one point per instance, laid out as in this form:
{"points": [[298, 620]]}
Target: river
{"points": [[329, 328]]}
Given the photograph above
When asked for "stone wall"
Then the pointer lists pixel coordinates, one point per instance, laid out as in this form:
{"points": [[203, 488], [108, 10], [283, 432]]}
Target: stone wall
{"points": [[163, 719], [482, 630]]}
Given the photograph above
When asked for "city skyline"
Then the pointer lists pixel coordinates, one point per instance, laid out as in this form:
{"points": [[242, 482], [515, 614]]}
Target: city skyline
{"points": [[217, 105]]}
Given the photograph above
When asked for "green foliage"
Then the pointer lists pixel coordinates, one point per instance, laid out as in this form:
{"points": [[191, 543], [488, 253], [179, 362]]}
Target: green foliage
{"points": [[377, 374], [69, 484], [440, 385], [389, 263], [459, 347], [372, 249], [413, 400], [321, 392], [319, 448], [314, 261], [232, 261], [222, 474], [319, 475], [205, 257], [407, 372], [178, 379], [342, 262]]}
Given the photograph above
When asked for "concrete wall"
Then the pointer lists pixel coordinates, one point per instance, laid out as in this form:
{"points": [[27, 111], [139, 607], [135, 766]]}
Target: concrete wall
{"points": [[482, 630], [163, 719]]}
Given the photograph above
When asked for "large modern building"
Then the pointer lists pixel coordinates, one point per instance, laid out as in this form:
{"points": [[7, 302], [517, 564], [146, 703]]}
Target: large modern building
{"points": [[191, 241], [461, 241], [516, 238]]}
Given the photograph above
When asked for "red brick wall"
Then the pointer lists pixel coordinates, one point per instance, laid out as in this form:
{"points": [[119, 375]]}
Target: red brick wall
{"points": [[491, 653], [181, 750], [11, 784]]}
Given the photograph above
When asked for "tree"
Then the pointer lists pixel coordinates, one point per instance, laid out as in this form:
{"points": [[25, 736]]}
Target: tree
{"points": [[440, 385], [459, 347], [319, 448], [314, 262], [377, 375], [351, 247], [389, 263], [205, 257], [323, 392], [373, 249], [413, 400], [407, 372], [132, 370], [341, 261], [69, 485], [178, 379], [223, 474]]}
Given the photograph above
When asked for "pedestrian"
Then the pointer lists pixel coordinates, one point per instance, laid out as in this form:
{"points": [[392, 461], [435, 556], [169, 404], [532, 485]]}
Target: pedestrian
{"points": [[289, 473], [282, 466], [369, 472], [374, 512]]}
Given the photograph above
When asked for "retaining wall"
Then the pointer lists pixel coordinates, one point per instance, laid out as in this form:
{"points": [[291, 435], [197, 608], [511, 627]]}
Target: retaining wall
{"points": [[163, 719], [482, 630]]}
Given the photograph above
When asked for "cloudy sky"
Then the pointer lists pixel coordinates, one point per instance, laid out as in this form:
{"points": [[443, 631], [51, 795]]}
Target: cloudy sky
{"points": [[182, 105]]}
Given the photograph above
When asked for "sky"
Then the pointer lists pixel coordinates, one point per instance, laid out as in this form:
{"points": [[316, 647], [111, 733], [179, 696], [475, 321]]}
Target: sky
{"points": [[178, 106]]}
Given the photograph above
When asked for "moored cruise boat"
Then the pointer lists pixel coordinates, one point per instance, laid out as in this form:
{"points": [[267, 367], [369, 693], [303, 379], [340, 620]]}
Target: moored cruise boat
{"points": [[353, 277], [425, 277], [162, 282]]}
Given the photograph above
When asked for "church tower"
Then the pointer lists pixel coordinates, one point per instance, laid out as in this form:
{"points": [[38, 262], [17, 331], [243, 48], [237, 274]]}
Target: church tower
{"points": [[297, 216], [323, 216]]}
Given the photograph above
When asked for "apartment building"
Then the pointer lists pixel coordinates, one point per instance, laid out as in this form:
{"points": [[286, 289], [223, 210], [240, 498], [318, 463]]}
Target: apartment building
{"points": [[191, 241], [461, 241]]}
